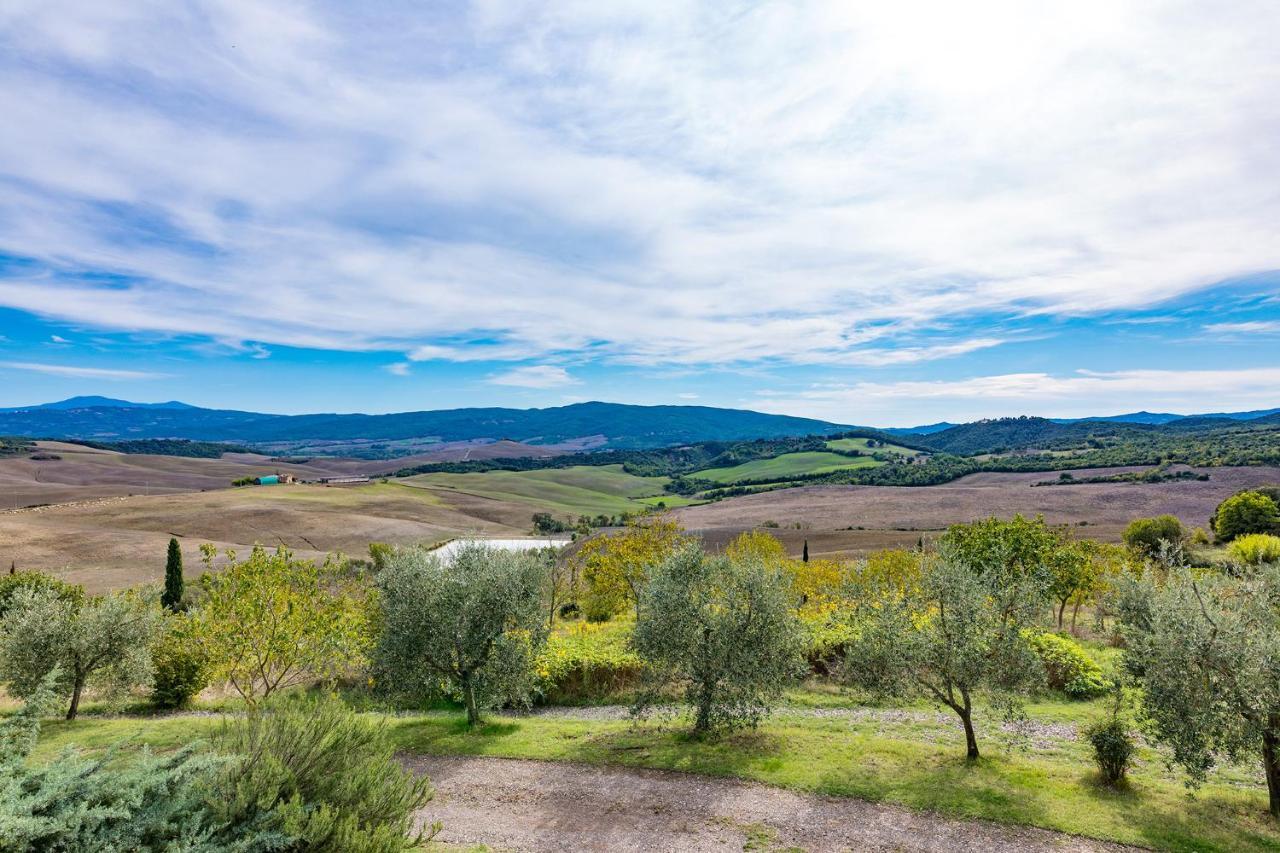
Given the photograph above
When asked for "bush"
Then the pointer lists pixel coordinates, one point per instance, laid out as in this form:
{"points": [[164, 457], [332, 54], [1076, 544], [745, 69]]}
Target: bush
{"points": [[1150, 536], [123, 802], [1112, 748], [1254, 549], [1245, 513], [588, 661], [180, 665], [11, 584], [1067, 665], [316, 773]]}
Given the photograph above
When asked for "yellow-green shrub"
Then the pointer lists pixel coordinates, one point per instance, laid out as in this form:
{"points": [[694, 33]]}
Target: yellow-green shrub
{"points": [[588, 661], [1254, 549], [1067, 665]]}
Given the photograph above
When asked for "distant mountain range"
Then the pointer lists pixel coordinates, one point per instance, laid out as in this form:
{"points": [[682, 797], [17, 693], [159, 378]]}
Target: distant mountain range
{"points": [[613, 425], [617, 425]]}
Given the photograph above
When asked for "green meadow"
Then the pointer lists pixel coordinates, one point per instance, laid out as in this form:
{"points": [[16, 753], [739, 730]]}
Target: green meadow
{"points": [[785, 467]]}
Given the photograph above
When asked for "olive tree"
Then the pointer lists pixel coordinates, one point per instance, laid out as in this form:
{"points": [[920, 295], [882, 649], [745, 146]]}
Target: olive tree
{"points": [[723, 629], [472, 621], [104, 641], [1208, 652], [952, 634]]}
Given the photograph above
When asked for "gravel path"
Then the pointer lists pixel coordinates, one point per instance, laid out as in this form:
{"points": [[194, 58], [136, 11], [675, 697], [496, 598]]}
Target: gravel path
{"points": [[554, 806]]}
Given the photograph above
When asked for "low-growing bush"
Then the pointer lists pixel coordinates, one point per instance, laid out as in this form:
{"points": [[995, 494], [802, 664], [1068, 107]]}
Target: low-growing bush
{"points": [[1067, 665], [1112, 748], [1254, 549], [320, 776], [588, 661], [180, 664]]}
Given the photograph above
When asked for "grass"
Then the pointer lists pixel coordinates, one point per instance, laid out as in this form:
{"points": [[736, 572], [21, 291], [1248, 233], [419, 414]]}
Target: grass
{"points": [[785, 466], [916, 764], [579, 490], [861, 444], [824, 742]]}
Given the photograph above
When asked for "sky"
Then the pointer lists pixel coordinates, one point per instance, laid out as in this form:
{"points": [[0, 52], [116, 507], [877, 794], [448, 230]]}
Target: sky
{"points": [[871, 213]]}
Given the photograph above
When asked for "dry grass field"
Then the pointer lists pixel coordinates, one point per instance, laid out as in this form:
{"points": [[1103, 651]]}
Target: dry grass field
{"points": [[104, 540], [83, 473], [849, 520], [114, 542]]}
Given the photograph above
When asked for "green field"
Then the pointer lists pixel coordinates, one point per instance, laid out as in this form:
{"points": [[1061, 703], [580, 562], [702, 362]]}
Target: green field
{"points": [[861, 444], [786, 466], [580, 490]]}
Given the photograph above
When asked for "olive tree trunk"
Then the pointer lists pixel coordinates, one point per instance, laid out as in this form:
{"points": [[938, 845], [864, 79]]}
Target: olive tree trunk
{"points": [[469, 696], [77, 687], [1271, 765]]}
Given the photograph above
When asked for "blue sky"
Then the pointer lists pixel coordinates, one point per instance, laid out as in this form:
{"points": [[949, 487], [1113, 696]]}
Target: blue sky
{"points": [[871, 215]]}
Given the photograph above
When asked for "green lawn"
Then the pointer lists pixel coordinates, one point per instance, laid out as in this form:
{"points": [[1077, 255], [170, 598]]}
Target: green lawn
{"points": [[785, 466], [917, 765], [579, 490], [824, 742], [861, 444]]}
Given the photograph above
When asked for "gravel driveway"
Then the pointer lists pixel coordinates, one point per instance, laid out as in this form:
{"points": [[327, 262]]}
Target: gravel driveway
{"points": [[555, 806]]}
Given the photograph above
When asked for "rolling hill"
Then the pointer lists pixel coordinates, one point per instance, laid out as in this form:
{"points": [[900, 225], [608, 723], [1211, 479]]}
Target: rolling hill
{"points": [[616, 425]]}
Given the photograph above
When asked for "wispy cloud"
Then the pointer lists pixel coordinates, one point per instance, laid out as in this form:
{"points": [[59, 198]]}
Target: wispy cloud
{"points": [[702, 183], [80, 372], [1251, 327], [1078, 394], [399, 368], [536, 376]]}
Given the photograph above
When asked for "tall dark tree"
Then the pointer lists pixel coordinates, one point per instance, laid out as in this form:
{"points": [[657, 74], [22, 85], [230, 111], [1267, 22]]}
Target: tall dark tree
{"points": [[173, 583], [805, 555]]}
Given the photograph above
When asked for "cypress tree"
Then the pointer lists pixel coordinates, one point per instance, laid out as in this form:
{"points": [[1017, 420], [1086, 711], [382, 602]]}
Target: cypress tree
{"points": [[173, 583], [805, 555]]}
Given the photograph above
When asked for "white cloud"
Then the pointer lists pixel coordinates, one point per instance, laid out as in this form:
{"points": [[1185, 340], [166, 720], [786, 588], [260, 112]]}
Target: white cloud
{"points": [[536, 376], [80, 372], [399, 368], [1079, 394], [702, 183], [687, 396], [1252, 327], [58, 339]]}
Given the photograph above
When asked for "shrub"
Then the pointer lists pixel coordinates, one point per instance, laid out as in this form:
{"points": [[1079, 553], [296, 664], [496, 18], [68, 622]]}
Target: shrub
{"points": [[85, 805], [724, 630], [1112, 748], [180, 664], [1067, 665], [1254, 549], [1245, 513], [314, 772], [11, 584], [1149, 536], [588, 661]]}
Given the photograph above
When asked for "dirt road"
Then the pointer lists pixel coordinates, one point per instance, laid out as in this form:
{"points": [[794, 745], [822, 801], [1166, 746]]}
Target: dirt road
{"points": [[544, 806]]}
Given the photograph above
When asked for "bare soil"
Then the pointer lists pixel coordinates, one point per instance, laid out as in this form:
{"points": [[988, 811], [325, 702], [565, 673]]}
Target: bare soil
{"points": [[842, 521], [108, 543], [543, 806]]}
